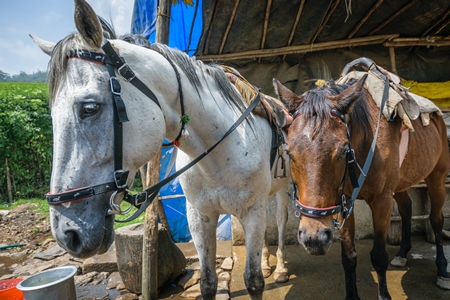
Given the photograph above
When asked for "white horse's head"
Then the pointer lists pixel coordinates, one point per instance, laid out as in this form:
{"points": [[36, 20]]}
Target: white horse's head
{"points": [[82, 109]]}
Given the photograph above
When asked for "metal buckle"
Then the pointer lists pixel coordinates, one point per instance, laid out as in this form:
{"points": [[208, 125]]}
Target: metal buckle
{"points": [[141, 202], [112, 86], [124, 69], [117, 179]]}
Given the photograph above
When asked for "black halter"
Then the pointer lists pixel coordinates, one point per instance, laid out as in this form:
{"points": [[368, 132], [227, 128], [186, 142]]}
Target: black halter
{"points": [[142, 200], [345, 206]]}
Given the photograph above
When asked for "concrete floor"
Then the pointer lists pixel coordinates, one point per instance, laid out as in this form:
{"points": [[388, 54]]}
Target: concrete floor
{"points": [[322, 277]]}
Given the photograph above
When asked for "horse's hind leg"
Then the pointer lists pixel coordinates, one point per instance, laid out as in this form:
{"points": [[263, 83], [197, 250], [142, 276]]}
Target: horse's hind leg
{"points": [[203, 231], [405, 209], [437, 193], [281, 273]]}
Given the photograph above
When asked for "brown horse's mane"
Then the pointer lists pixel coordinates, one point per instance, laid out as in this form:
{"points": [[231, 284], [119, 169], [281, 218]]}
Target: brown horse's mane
{"points": [[316, 107]]}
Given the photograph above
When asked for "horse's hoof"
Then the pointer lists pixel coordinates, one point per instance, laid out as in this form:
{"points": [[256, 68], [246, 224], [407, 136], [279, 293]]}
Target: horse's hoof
{"points": [[266, 272], [280, 277], [443, 282], [399, 261]]}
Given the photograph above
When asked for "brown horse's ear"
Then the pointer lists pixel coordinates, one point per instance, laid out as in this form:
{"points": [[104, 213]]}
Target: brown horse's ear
{"points": [[345, 100], [289, 98], [88, 24]]}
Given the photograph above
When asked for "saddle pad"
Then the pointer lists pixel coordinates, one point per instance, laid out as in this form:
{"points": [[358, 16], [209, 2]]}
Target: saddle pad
{"points": [[274, 107], [400, 102]]}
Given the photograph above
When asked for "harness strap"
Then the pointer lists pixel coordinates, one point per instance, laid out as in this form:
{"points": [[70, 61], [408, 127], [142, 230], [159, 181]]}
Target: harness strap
{"points": [[126, 72], [80, 193], [145, 198]]}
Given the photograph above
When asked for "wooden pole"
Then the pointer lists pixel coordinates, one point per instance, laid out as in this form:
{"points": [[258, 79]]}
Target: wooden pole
{"points": [[150, 235], [392, 56], [150, 238]]}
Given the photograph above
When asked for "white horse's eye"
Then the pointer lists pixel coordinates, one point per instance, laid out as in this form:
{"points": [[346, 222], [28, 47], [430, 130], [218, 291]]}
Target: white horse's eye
{"points": [[90, 108]]}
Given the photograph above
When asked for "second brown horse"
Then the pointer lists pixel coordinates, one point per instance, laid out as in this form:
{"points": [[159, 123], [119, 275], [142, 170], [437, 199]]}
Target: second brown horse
{"points": [[335, 124]]}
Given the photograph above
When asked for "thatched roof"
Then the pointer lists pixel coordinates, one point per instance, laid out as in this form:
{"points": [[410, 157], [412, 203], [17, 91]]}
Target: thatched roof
{"points": [[290, 31]]}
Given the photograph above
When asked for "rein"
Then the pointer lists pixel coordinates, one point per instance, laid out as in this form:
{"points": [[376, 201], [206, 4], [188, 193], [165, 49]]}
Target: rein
{"points": [[345, 206], [142, 200]]}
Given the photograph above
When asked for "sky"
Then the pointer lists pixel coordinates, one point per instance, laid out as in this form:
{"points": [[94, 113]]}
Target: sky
{"points": [[51, 20]]}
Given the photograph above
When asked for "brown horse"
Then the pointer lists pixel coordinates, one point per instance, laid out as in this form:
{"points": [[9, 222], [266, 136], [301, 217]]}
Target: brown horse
{"points": [[328, 142]]}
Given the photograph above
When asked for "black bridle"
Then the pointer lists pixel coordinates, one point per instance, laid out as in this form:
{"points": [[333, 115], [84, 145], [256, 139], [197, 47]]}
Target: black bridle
{"points": [[119, 184], [345, 206]]}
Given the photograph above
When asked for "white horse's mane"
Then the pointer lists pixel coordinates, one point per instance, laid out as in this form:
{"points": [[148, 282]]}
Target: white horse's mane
{"points": [[192, 68]]}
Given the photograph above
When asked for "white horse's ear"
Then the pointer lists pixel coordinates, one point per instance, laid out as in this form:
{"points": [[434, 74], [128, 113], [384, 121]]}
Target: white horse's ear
{"points": [[46, 47], [88, 24]]}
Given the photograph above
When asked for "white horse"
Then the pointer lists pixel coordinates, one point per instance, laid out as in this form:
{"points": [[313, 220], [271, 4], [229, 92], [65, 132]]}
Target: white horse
{"points": [[89, 123]]}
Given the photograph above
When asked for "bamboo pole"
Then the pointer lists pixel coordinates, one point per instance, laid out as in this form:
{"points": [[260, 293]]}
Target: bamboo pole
{"points": [[294, 27], [355, 42], [325, 21], [411, 42], [208, 37], [398, 13], [442, 18], [230, 22], [266, 24], [364, 19], [150, 234]]}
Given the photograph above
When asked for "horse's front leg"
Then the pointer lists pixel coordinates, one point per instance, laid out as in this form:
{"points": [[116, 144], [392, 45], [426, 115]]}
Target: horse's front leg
{"points": [[349, 257], [254, 224], [381, 216], [405, 210], [203, 231], [281, 273]]}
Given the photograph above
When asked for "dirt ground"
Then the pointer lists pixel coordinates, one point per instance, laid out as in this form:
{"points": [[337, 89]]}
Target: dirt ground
{"points": [[22, 225]]}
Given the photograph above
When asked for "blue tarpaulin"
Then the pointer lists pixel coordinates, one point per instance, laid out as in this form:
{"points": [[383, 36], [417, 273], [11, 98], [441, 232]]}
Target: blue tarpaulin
{"points": [[185, 31]]}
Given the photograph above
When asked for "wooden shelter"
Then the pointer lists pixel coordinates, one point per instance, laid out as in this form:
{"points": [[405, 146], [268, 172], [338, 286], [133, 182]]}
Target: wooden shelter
{"points": [[298, 40]]}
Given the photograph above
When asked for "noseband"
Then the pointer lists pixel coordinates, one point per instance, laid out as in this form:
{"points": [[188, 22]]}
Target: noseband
{"points": [[345, 206], [119, 186]]}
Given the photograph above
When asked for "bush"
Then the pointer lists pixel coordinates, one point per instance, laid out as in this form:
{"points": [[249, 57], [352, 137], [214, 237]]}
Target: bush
{"points": [[25, 139]]}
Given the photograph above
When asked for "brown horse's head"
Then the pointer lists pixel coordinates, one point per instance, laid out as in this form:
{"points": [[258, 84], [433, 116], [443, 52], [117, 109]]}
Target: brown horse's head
{"points": [[318, 144]]}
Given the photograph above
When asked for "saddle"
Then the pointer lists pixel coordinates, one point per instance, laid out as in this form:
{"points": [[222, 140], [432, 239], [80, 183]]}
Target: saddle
{"points": [[401, 102], [270, 108]]}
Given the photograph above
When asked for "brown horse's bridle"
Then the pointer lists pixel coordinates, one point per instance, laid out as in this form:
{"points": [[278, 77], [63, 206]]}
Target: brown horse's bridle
{"points": [[119, 186], [345, 206]]}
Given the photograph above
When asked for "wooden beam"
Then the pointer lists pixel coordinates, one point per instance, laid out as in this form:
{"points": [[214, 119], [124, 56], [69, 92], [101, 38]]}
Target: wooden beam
{"points": [[230, 22], [266, 23], [347, 43], [364, 19], [436, 41], [325, 21], [398, 13], [294, 27], [442, 18]]}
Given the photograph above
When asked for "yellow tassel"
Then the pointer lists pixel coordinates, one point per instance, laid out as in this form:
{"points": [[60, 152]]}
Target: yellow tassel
{"points": [[320, 82]]}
